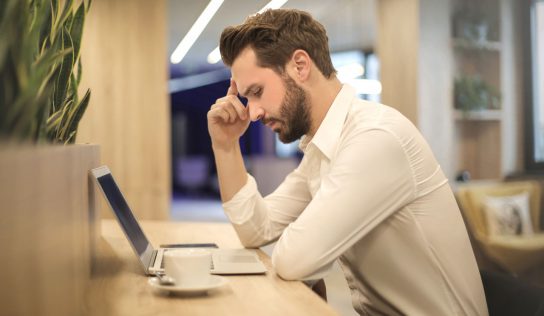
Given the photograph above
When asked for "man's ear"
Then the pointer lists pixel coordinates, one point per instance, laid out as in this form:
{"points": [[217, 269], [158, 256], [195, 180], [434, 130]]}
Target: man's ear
{"points": [[301, 64]]}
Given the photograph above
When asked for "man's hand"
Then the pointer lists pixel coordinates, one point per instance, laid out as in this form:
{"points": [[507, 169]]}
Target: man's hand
{"points": [[228, 119]]}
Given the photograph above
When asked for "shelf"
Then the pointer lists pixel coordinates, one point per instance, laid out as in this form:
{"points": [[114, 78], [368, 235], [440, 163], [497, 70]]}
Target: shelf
{"points": [[478, 115], [463, 43], [483, 31]]}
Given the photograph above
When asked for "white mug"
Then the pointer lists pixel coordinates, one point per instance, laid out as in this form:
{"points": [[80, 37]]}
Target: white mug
{"points": [[188, 267]]}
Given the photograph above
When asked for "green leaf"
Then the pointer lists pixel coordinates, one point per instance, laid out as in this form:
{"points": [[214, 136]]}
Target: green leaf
{"points": [[79, 71], [66, 68], [88, 5], [65, 118], [40, 43], [8, 14], [71, 138], [55, 118], [32, 94], [73, 88], [76, 29], [79, 110], [53, 123], [27, 122], [55, 9], [41, 121], [66, 13]]}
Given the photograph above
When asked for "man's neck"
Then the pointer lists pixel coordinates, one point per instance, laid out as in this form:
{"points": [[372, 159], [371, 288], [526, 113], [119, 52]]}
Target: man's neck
{"points": [[322, 96]]}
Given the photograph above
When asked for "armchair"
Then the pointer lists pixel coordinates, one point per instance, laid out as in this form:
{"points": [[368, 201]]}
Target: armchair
{"points": [[513, 253]]}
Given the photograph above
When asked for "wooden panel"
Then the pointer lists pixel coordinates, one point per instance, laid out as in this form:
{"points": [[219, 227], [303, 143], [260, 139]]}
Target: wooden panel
{"points": [[479, 148], [416, 69], [397, 47], [435, 82], [120, 288], [125, 65], [47, 228]]}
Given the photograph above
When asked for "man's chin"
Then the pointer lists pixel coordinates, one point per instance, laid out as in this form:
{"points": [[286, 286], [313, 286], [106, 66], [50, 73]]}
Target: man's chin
{"points": [[286, 139]]}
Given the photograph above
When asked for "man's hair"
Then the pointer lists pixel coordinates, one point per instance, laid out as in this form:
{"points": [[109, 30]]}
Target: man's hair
{"points": [[274, 35]]}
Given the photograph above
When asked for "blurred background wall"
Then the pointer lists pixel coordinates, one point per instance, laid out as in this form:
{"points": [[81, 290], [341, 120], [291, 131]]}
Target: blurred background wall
{"points": [[149, 114], [124, 64]]}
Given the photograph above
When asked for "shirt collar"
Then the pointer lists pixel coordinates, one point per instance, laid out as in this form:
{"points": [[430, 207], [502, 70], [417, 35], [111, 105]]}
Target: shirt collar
{"points": [[328, 133]]}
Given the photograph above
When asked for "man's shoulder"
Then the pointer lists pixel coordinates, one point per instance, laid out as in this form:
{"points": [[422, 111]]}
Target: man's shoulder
{"points": [[369, 114]]}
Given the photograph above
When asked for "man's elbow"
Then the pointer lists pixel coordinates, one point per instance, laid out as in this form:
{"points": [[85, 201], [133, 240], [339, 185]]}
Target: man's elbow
{"points": [[250, 244], [287, 273], [251, 241], [290, 270]]}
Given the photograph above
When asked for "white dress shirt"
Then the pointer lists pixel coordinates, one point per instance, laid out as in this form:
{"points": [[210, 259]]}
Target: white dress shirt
{"points": [[369, 193]]}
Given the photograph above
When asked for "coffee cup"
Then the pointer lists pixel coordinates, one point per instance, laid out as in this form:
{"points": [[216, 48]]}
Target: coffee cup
{"points": [[188, 267]]}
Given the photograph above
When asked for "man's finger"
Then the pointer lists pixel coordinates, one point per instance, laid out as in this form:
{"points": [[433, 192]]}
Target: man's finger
{"points": [[240, 109], [219, 113], [233, 89], [231, 111]]}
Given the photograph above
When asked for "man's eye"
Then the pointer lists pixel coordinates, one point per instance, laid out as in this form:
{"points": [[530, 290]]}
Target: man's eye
{"points": [[257, 92]]}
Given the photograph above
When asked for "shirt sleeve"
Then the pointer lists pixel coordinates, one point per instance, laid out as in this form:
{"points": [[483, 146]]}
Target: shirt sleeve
{"points": [[370, 179], [259, 221]]}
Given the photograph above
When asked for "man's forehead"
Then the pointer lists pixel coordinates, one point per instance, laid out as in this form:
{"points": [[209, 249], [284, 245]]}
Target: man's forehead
{"points": [[244, 68], [247, 73], [246, 81]]}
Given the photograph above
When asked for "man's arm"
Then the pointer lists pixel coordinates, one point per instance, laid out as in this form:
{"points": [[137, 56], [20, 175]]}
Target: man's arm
{"points": [[228, 119], [231, 172], [257, 220], [369, 181]]}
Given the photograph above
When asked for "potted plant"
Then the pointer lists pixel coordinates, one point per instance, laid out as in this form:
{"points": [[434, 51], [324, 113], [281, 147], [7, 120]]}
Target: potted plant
{"points": [[48, 207], [473, 94], [40, 71]]}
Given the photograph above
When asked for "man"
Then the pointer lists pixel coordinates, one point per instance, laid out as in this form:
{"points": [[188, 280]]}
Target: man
{"points": [[367, 192]]}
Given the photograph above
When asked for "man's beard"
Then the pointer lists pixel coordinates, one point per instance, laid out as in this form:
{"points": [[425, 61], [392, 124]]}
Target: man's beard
{"points": [[295, 113]]}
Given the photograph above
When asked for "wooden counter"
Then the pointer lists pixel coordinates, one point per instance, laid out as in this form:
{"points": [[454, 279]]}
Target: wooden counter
{"points": [[119, 286]]}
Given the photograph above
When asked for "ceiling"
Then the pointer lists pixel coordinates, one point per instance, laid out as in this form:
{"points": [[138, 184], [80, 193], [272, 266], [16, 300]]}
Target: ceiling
{"points": [[350, 24]]}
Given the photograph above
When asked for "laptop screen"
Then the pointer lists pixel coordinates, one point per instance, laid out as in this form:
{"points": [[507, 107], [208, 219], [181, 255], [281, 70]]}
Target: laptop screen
{"points": [[125, 216]]}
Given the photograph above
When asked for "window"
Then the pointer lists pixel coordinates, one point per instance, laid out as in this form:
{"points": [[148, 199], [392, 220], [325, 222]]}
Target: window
{"points": [[534, 154]]}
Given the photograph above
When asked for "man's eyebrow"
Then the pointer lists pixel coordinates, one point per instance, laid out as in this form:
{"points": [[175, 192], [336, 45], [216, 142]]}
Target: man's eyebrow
{"points": [[251, 87]]}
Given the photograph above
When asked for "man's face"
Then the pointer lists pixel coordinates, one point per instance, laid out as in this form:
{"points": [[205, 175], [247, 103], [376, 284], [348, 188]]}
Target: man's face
{"points": [[278, 101], [294, 111]]}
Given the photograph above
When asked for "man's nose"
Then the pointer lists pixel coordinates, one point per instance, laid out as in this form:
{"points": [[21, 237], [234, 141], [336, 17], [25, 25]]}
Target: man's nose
{"points": [[255, 111]]}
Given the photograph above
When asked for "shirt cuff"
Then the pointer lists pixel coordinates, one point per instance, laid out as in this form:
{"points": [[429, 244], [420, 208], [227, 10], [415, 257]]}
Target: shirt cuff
{"points": [[237, 208]]}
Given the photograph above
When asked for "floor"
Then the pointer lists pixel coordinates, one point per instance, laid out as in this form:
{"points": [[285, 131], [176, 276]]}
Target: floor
{"points": [[210, 210]]}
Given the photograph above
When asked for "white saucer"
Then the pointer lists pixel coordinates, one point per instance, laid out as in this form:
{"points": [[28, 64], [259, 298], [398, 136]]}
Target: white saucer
{"points": [[214, 282]]}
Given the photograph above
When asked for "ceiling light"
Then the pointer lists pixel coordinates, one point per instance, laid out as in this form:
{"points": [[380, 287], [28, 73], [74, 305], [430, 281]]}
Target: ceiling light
{"points": [[274, 4], [195, 31], [215, 56]]}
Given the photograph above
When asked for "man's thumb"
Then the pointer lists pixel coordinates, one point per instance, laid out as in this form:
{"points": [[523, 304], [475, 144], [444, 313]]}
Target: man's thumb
{"points": [[233, 90]]}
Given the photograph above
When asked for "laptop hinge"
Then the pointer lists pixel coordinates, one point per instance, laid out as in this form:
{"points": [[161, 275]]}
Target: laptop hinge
{"points": [[151, 264]]}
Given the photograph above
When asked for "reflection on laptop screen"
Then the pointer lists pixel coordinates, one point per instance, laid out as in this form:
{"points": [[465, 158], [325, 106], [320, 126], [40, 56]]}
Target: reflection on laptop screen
{"points": [[123, 212]]}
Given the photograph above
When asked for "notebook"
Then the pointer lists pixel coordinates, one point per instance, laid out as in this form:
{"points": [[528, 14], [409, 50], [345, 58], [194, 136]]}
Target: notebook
{"points": [[224, 261]]}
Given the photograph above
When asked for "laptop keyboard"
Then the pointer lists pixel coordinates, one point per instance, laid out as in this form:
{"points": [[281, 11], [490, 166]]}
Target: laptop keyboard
{"points": [[211, 264]]}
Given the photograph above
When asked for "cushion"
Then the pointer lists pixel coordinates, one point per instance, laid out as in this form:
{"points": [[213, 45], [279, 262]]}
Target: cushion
{"points": [[508, 215]]}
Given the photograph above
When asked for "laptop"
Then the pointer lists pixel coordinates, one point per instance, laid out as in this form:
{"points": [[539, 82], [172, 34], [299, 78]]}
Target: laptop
{"points": [[224, 261]]}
